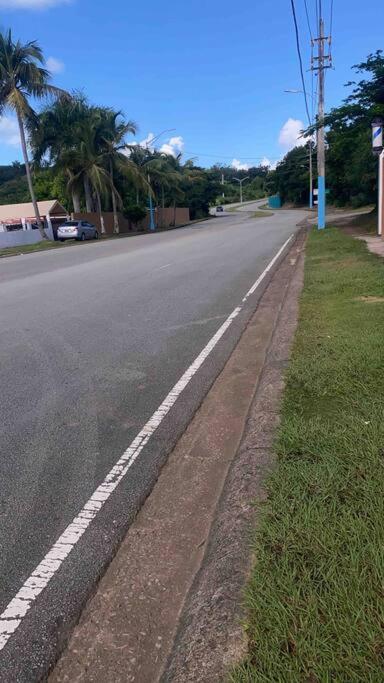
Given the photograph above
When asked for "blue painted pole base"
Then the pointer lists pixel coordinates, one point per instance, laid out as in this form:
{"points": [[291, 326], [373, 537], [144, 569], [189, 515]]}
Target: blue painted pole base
{"points": [[321, 203]]}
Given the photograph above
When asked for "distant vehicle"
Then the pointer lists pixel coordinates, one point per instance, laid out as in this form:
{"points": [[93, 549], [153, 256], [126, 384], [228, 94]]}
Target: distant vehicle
{"points": [[219, 209], [77, 230]]}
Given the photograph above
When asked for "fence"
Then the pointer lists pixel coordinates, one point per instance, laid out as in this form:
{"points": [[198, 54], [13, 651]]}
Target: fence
{"points": [[164, 218]]}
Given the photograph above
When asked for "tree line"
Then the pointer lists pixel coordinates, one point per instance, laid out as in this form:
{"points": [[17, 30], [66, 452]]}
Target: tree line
{"points": [[83, 154], [351, 168]]}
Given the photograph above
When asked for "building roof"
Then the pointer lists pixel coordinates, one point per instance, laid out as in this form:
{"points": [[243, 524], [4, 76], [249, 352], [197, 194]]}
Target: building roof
{"points": [[11, 212]]}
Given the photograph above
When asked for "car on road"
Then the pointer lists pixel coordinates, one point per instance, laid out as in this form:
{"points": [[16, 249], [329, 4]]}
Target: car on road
{"points": [[77, 230], [219, 209]]}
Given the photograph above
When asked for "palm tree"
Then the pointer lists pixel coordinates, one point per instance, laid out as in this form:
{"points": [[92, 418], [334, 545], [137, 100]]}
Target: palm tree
{"points": [[22, 77], [113, 130], [89, 159], [53, 135]]}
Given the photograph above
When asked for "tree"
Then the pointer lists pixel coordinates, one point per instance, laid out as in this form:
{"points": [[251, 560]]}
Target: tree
{"points": [[351, 166], [87, 143], [113, 130], [290, 179], [54, 136], [22, 77]]}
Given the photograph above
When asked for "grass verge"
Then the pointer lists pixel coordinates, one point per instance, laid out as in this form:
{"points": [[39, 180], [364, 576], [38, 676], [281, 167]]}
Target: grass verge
{"points": [[315, 598], [28, 248], [262, 214]]}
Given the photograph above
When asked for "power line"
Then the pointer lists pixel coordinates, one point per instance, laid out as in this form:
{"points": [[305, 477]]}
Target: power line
{"points": [[300, 59], [331, 23], [232, 156], [308, 21]]}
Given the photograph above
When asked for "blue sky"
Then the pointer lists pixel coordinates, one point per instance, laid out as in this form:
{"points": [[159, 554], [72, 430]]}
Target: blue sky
{"points": [[215, 72]]}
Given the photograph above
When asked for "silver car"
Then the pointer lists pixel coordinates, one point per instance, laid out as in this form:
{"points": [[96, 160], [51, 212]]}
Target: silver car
{"points": [[77, 230]]}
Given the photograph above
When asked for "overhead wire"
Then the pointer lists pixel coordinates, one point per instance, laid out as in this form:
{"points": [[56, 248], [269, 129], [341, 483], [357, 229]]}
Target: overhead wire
{"points": [[300, 59], [223, 156], [308, 21]]}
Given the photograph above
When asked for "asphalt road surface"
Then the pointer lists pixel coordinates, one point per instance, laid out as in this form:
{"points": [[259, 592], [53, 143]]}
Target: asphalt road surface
{"points": [[92, 339]]}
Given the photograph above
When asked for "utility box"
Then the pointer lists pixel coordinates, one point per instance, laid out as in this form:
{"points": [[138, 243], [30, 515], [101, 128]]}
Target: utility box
{"points": [[274, 202]]}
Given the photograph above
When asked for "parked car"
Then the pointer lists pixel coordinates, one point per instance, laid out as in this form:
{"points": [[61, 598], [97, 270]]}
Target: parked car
{"points": [[77, 230], [219, 209]]}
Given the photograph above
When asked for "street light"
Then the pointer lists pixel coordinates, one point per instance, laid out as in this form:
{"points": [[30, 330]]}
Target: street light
{"points": [[378, 149], [152, 225], [292, 91], [240, 181]]}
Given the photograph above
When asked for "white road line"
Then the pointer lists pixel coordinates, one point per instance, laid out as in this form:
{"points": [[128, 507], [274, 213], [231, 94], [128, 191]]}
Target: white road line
{"points": [[20, 605], [269, 266], [166, 266]]}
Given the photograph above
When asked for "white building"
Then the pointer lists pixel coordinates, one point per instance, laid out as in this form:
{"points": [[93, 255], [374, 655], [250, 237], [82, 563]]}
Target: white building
{"points": [[18, 223]]}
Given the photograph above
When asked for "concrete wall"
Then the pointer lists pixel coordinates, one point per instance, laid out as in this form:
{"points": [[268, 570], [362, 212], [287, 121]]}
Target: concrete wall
{"points": [[17, 238]]}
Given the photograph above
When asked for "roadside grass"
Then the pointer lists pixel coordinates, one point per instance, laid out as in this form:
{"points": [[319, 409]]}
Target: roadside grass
{"points": [[367, 222], [28, 248], [262, 214], [315, 599]]}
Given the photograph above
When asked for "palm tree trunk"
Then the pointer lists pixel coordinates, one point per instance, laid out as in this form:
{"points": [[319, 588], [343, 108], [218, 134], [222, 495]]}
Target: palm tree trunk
{"points": [[76, 201], [116, 227], [88, 195], [100, 212], [29, 178]]}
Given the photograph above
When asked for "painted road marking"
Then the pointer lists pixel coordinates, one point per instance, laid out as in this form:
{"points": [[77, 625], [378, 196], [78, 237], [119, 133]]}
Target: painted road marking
{"points": [[268, 268], [20, 605]]}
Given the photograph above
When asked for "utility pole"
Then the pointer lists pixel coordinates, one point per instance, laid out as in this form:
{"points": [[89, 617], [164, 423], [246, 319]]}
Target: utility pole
{"points": [[240, 181], [320, 134], [222, 182], [323, 62], [310, 175]]}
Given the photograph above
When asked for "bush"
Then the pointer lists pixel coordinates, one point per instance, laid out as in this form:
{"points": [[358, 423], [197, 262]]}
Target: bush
{"points": [[135, 213]]}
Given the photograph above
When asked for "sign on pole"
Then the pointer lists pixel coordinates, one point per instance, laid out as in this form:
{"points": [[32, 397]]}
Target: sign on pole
{"points": [[381, 194], [377, 135]]}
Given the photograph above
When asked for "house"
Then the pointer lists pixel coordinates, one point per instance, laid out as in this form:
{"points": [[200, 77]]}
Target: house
{"points": [[18, 223], [22, 216]]}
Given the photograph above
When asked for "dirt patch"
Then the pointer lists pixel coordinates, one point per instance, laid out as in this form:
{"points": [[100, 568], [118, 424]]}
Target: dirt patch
{"points": [[371, 299]]}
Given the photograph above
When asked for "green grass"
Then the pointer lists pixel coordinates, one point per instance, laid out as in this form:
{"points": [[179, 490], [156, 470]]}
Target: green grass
{"points": [[261, 214], [28, 248], [367, 222], [316, 596]]}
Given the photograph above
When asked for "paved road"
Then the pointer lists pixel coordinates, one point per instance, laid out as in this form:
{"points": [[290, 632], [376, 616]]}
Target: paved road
{"points": [[92, 339]]}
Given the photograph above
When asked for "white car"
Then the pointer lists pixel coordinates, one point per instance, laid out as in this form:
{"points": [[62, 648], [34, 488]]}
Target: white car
{"points": [[77, 230]]}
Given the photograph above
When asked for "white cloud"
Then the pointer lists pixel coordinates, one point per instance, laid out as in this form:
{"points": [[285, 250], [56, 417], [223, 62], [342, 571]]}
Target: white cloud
{"points": [[174, 146], [146, 143], [267, 162], [9, 131], [55, 66], [31, 4], [289, 136], [236, 163]]}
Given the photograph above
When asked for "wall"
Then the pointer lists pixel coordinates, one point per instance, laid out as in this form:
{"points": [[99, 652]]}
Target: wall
{"points": [[17, 238], [164, 219]]}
